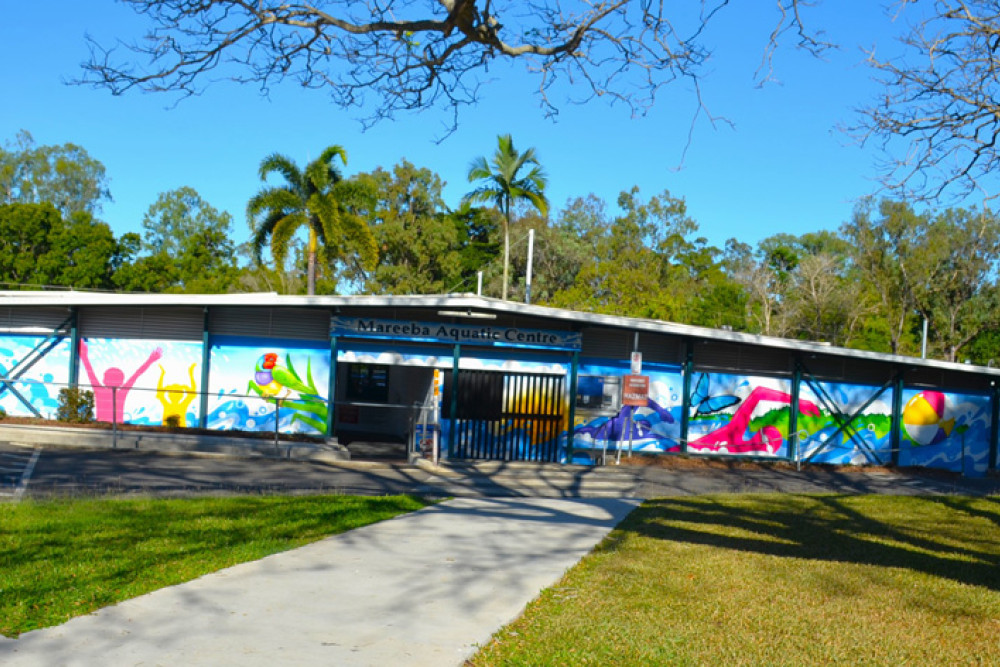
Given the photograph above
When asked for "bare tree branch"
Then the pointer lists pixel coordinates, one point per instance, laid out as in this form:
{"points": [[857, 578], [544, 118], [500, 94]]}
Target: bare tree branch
{"points": [[394, 55], [941, 105]]}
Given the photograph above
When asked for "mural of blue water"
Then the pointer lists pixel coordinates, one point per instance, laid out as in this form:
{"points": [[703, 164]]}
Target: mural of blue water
{"points": [[237, 415]]}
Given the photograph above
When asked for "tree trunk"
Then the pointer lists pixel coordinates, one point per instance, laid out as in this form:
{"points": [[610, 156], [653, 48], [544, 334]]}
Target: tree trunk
{"points": [[506, 252], [311, 264]]}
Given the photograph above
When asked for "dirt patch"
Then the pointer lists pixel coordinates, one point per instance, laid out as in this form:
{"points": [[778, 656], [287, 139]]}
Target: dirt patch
{"points": [[106, 426], [684, 462]]}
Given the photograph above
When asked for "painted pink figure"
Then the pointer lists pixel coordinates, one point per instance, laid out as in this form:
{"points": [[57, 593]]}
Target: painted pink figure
{"points": [[106, 405], [767, 439]]}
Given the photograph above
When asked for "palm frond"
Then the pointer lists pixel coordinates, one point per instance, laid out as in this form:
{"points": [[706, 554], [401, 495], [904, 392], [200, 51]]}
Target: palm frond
{"points": [[271, 199], [263, 232], [280, 164], [282, 234]]}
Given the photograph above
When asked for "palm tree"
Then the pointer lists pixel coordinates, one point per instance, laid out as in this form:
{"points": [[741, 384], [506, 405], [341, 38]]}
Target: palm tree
{"points": [[316, 198], [502, 187]]}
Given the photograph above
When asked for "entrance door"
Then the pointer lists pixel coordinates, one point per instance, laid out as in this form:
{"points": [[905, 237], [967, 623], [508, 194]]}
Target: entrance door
{"points": [[505, 416]]}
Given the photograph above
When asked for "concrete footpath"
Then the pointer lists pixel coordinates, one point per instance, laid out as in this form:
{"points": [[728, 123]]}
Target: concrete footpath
{"points": [[422, 589]]}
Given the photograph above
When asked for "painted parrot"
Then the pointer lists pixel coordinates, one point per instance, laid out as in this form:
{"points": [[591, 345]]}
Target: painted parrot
{"points": [[271, 377]]}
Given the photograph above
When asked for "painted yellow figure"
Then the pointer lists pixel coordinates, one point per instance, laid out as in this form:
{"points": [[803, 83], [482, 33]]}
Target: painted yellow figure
{"points": [[176, 398]]}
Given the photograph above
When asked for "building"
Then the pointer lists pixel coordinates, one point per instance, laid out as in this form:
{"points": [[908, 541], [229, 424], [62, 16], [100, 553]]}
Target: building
{"points": [[479, 378]]}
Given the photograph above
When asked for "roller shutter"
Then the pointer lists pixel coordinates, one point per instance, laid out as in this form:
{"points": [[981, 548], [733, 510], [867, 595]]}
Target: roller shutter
{"points": [[171, 323], [31, 320], [734, 357], [297, 323], [661, 349], [606, 343]]}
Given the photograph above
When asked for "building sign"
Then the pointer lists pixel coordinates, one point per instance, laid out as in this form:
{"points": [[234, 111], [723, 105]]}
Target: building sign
{"points": [[635, 390], [440, 332]]}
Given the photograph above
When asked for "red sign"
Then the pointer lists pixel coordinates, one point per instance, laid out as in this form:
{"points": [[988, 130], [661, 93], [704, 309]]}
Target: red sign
{"points": [[635, 390]]}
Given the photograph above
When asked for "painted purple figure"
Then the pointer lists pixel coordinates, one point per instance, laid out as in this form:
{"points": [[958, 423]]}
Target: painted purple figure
{"points": [[615, 428], [107, 405]]}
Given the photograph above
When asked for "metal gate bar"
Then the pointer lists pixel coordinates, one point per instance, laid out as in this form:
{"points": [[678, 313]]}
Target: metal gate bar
{"points": [[505, 416]]}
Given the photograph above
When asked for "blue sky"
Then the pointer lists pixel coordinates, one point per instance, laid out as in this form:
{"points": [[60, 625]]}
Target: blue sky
{"points": [[784, 167]]}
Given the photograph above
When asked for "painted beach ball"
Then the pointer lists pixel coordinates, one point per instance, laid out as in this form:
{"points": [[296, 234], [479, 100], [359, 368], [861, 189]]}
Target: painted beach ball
{"points": [[923, 418]]}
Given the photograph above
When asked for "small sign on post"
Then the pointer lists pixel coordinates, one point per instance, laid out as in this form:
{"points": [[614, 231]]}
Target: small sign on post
{"points": [[636, 366], [635, 390]]}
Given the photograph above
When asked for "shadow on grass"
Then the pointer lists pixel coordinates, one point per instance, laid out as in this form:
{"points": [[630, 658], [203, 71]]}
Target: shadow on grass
{"points": [[952, 538], [62, 559]]}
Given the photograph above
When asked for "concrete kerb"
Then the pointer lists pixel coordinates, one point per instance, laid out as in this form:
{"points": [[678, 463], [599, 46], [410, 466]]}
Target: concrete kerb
{"points": [[55, 436]]}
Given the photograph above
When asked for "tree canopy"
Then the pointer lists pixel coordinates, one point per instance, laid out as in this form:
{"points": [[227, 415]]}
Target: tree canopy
{"points": [[186, 247], [40, 249], [65, 176]]}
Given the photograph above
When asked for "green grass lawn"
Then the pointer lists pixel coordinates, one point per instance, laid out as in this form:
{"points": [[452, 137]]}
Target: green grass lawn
{"points": [[63, 558], [776, 580]]}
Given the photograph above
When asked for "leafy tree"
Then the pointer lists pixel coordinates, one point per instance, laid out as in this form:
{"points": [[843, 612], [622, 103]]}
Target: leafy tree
{"points": [[959, 294], [645, 265], [65, 176], [423, 247], [802, 286], [478, 239], [820, 303], [888, 253], [761, 284], [316, 198], [558, 256], [187, 247], [418, 243], [39, 248], [501, 186], [254, 276]]}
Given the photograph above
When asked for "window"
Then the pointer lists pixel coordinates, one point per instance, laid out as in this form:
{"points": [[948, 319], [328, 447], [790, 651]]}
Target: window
{"points": [[368, 383]]}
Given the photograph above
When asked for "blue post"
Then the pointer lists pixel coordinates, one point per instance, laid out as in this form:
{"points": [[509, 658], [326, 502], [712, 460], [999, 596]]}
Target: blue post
{"points": [[686, 395], [994, 428], [571, 428], [793, 415], [895, 441], [331, 390], [74, 348], [453, 408], [206, 349]]}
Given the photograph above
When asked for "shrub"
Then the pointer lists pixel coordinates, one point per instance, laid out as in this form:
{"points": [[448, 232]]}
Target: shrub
{"points": [[76, 406], [3, 413]]}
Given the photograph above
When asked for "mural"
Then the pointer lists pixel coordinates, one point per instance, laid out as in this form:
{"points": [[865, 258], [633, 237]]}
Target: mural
{"points": [[149, 394], [741, 414], [176, 399], [867, 438], [249, 375], [51, 367], [601, 423], [157, 381], [945, 430]]}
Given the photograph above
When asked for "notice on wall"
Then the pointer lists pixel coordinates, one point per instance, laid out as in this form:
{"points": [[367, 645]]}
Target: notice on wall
{"points": [[635, 390], [636, 363]]}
